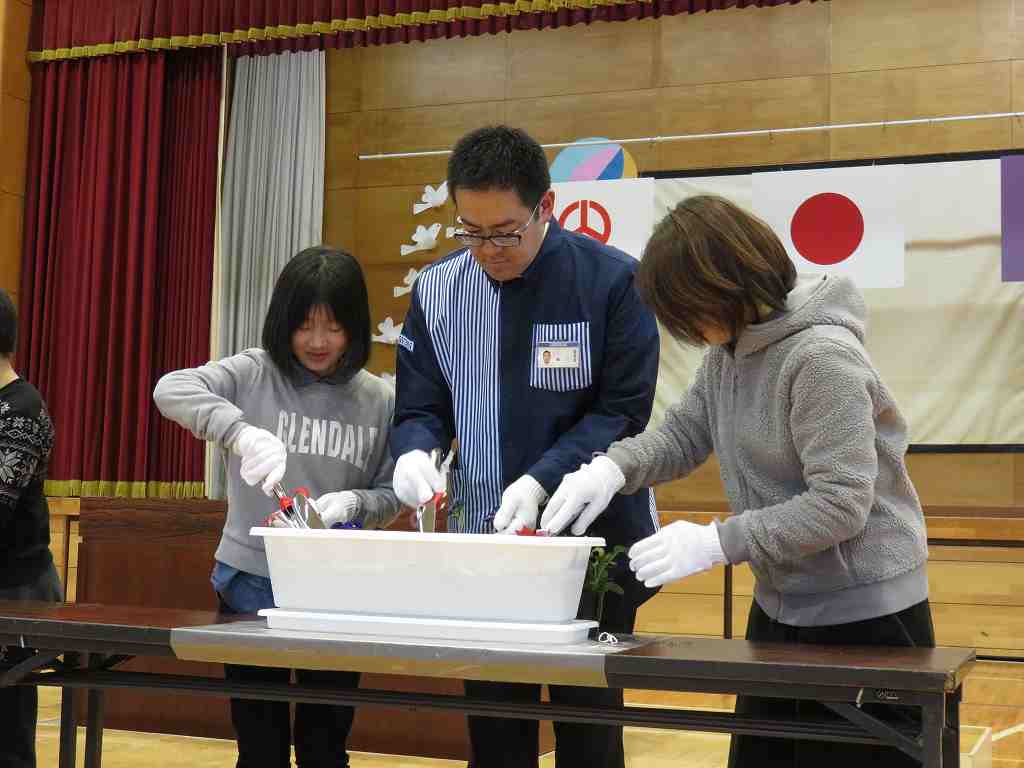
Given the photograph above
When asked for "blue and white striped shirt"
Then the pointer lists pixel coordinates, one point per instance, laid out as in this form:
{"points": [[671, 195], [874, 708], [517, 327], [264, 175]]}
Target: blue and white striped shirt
{"points": [[472, 365]]}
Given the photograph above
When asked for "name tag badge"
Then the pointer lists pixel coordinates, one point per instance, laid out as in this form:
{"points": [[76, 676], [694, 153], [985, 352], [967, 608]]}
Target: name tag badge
{"points": [[559, 354]]}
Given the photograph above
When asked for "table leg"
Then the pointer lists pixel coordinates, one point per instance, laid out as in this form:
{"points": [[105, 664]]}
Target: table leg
{"points": [[933, 721], [68, 729], [951, 732], [94, 720]]}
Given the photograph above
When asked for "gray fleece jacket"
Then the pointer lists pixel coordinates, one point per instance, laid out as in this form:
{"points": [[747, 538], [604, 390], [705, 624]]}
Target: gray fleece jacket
{"points": [[811, 446], [335, 432]]}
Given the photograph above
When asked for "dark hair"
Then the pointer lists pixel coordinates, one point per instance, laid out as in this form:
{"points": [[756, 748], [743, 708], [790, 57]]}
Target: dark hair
{"points": [[8, 325], [319, 276], [500, 157], [710, 264]]}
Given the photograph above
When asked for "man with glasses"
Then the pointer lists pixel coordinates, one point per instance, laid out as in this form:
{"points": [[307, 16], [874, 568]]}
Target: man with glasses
{"points": [[531, 347]]}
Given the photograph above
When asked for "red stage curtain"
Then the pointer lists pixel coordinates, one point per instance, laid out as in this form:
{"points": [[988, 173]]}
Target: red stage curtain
{"points": [[185, 244], [98, 294], [68, 29]]}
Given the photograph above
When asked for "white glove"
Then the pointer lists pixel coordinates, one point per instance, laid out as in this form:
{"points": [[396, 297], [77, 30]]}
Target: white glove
{"points": [[416, 478], [337, 507], [582, 496], [675, 552], [520, 505], [263, 457]]}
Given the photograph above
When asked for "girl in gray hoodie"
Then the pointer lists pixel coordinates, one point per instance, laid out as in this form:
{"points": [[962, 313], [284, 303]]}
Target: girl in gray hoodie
{"points": [[301, 402], [811, 445]]}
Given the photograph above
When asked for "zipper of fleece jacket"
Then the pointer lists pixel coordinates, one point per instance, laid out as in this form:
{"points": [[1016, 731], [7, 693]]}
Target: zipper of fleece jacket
{"points": [[740, 480], [735, 434]]}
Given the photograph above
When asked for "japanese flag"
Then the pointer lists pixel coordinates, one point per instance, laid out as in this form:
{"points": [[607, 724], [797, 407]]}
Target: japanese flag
{"points": [[844, 221]]}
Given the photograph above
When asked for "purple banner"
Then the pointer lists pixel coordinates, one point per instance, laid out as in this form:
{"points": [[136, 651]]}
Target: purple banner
{"points": [[1013, 218]]}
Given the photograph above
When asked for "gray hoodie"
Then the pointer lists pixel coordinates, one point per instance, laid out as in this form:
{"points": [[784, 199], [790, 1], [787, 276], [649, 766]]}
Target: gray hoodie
{"points": [[335, 431], [811, 446]]}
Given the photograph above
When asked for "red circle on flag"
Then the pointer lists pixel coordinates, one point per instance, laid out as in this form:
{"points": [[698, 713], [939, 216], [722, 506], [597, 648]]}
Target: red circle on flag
{"points": [[827, 228]]}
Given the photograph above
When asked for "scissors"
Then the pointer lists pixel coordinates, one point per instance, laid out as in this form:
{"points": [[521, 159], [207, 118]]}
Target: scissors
{"points": [[298, 510]]}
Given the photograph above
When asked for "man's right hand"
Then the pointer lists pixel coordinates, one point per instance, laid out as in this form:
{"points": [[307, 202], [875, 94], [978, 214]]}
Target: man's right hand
{"points": [[416, 479]]}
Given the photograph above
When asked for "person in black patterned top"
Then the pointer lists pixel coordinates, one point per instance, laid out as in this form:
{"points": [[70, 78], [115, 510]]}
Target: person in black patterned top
{"points": [[27, 571]]}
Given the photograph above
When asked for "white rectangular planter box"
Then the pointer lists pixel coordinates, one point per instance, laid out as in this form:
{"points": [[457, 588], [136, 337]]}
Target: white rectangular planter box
{"points": [[478, 577]]}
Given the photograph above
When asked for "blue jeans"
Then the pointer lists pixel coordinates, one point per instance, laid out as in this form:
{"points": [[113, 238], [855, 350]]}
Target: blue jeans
{"points": [[263, 728]]}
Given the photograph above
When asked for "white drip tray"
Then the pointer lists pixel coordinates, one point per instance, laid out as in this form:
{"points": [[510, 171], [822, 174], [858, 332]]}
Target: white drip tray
{"points": [[413, 628]]}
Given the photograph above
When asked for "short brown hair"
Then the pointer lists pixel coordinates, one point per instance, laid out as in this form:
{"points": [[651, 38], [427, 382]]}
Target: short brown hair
{"points": [[710, 264]]}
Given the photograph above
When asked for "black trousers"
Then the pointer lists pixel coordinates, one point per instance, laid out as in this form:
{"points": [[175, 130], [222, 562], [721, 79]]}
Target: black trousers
{"points": [[911, 627], [20, 703], [509, 743], [263, 728]]}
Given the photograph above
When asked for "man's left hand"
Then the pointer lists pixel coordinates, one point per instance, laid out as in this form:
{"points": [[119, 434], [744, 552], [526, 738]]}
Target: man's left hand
{"points": [[582, 496]]}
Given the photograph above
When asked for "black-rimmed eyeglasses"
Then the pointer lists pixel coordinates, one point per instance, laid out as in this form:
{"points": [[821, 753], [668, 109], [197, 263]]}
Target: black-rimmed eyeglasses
{"points": [[501, 240]]}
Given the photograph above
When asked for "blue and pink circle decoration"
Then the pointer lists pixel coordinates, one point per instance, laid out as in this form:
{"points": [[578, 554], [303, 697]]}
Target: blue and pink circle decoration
{"points": [[587, 160]]}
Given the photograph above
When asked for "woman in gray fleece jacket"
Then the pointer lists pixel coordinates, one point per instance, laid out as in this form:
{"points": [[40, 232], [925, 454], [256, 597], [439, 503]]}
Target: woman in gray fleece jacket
{"points": [[811, 446], [303, 403]]}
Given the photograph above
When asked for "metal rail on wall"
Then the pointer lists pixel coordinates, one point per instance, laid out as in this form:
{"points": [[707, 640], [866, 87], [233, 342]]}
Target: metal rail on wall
{"points": [[728, 134]]}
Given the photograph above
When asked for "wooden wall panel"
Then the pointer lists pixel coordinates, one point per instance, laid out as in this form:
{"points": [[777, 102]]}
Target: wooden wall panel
{"points": [[1018, 479], [614, 115], [1017, 46], [702, 487], [381, 280], [386, 222], [974, 528], [963, 89], [739, 106], [881, 34], [958, 553], [457, 71], [17, 80], [341, 166], [979, 626], [594, 59], [674, 614], [415, 130], [740, 613], [742, 580], [1017, 86], [942, 480], [340, 220], [968, 479], [791, 41], [965, 583], [707, 701], [15, 87], [10, 240], [708, 583], [383, 302], [13, 143], [344, 80], [382, 359], [974, 604]]}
